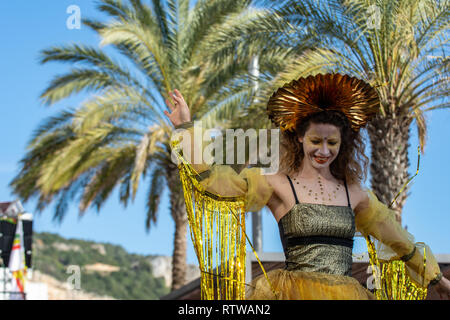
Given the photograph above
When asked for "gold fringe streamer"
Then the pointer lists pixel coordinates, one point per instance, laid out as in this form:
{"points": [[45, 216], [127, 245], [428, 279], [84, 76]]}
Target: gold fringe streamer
{"points": [[217, 228], [219, 240], [391, 280]]}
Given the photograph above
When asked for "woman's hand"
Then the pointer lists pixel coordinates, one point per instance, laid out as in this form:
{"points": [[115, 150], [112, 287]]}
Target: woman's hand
{"points": [[179, 109], [443, 288]]}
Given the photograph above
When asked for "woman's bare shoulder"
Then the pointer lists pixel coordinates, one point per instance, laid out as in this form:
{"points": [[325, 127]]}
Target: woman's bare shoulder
{"points": [[276, 204], [359, 195], [276, 179], [279, 184]]}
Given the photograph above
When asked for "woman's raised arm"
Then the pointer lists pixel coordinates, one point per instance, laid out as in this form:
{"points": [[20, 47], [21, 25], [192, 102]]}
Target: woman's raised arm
{"points": [[221, 180]]}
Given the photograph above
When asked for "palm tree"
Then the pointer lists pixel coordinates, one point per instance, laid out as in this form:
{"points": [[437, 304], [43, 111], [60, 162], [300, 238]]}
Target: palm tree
{"points": [[397, 46], [120, 135]]}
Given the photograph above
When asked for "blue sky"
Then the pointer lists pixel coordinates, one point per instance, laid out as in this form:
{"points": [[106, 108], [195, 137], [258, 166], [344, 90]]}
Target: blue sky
{"points": [[30, 26]]}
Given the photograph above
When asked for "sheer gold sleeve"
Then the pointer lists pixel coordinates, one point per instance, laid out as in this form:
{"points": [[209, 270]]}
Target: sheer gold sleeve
{"points": [[223, 180], [395, 243]]}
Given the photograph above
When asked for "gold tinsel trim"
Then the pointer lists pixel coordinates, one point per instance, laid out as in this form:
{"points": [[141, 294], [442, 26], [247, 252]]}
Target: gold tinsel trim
{"points": [[391, 280], [217, 227]]}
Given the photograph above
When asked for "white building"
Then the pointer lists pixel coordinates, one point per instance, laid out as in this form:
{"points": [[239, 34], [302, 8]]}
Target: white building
{"points": [[33, 290]]}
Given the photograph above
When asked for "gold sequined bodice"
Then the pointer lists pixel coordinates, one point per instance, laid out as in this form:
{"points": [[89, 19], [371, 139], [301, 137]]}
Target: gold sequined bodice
{"points": [[315, 223]]}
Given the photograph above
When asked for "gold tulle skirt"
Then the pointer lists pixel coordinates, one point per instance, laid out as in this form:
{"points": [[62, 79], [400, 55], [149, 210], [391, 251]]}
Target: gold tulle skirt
{"points": [[300, 285]]}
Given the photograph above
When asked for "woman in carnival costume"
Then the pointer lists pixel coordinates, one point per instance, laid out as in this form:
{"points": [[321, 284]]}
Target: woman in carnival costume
{"points": [[316, 197]]}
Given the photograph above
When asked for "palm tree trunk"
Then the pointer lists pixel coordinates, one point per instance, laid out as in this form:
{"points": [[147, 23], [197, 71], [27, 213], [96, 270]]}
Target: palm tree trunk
{"points": [[389, 139], [257, 231], [179, 250], [178, 212]]}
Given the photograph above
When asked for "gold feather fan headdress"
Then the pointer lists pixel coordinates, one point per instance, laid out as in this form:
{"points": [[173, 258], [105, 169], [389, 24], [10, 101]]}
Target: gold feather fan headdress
{"points": [[296, 100]]}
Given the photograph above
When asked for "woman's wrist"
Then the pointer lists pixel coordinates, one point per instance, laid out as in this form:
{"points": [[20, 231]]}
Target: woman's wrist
{"points": [[184, 125], [409, 256], [436, 279]]}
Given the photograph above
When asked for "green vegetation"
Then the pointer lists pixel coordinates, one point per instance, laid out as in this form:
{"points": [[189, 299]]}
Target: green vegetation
{"points": [[53, 254]]}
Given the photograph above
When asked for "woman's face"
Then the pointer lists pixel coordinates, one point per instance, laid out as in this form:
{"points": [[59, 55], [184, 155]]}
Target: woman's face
{"points": [[321, 144]]}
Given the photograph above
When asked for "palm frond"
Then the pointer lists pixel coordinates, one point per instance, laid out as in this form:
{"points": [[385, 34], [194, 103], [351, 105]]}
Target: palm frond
{"points": [[146, 148], [74, 82], [154, 196], [108, 174]]}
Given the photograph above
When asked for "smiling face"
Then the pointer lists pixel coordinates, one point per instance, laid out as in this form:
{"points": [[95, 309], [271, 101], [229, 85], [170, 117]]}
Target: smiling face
{"points": [[321, 144]]}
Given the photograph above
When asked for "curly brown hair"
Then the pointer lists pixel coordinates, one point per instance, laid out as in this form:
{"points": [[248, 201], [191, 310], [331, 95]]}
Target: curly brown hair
{"points": [[350, 164]]}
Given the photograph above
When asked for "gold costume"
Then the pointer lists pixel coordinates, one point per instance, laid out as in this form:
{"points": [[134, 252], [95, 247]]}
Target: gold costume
{"points": [[317, 238]]}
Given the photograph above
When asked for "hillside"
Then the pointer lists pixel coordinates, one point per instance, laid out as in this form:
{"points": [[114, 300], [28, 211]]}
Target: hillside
{"points": [[56, 290], [105, 269]]}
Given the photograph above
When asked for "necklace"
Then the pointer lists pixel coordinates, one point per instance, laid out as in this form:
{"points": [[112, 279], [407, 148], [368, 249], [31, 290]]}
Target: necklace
{"points": [[322, 191]]}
